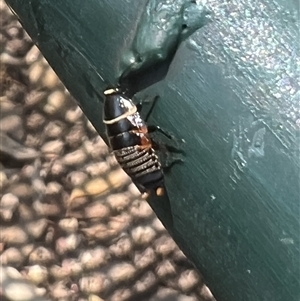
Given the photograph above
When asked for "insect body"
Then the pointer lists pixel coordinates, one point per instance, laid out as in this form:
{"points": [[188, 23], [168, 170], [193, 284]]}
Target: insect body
{"points": [[129, 139]]}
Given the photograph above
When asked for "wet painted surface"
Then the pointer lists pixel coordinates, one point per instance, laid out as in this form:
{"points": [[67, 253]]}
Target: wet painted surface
{"points": [[232, 92]]}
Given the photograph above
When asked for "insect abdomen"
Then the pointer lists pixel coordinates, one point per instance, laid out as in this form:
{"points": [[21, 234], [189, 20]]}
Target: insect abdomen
{"points": [[142, 166]]}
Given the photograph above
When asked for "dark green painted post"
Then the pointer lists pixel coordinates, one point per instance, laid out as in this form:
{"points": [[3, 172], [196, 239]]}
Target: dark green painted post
{"points": [[232, 93]]}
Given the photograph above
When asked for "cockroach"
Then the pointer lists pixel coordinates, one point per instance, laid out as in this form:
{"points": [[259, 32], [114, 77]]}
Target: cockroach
{"points": [[129, 139]]}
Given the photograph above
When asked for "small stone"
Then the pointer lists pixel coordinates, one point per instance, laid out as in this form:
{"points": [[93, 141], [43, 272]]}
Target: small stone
{"points": [[57, 168], [118, 202], [57, 99], [75, 136], [53, 147], [145, 282], [68, 244], [97, 168], [35, 121], [3, 179], [96, 283], [12, 257], [96, 148], [72, 266], [17, 47], [140, 209], [95, 298], [77, 178], [10, 123], [8, 204], [42, 256], [36, 72], [73, 114], [118, 178], [121, 294], [37, 274], [53, 188], [145, 258], [96, 210], [59, 291], [57, 272], [37, 228], [46, 209], [122, 248], [54, 129], [75, 158], [13, 235], [26, 212], [35, 97], [164, 245], [99, 232], [32, 55], [165, 269], [50, 79], [121, 272], [69, 225], [188, 279], [6, 58], [143, 235], [14, 32], [94, 258]]}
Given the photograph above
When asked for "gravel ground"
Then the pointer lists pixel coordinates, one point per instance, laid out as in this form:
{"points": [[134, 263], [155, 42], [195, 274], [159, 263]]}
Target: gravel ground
{"points": [[73, 226]]}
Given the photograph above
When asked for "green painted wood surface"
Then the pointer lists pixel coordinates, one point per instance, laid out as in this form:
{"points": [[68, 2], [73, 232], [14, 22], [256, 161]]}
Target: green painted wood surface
{"points": [[232, 93]]}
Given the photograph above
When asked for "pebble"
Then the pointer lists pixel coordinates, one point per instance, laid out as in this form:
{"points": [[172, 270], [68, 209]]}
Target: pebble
{"points": [[122, 248], [53, 188], [145, 258], [94, 284], [42, 256], [143, 235], [37, 274], [50, 79], [59, 291], [72, 266], [32, 55], [121, 272], [140, 209], [57, 168], [145, 282], [118, 202], [165, 269], [36, 72], [73, 114], [37, 228], [75, 158], [98, 232], [35, 97], [75, 136], [6, 58], [12, 283], [95, 210], [68, 244], [35, 121], [77, 178], [53, 147], [97, 168], [51, 208], [11, 123], [121, 294], [54, 129], [164, 245], [188, 280], [69, 225], [8, 204], [94, 258], [13, 235], [12, 257], [3, 179]]}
